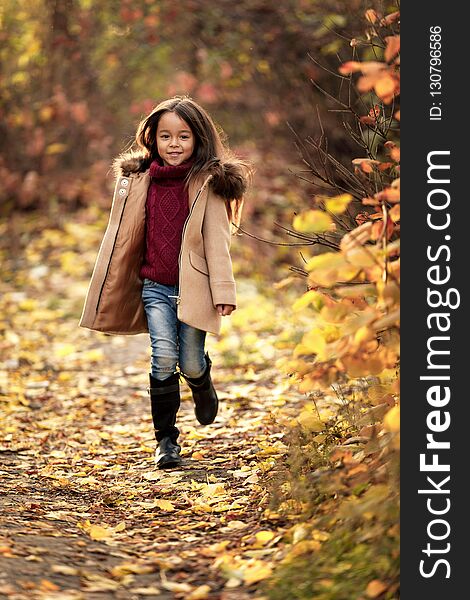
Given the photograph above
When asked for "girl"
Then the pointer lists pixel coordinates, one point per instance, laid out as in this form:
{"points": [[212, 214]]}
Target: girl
{"points": [[164, 264]]}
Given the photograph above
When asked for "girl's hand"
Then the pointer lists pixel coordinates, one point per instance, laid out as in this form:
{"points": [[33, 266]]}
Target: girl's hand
{"points": [[225, 309]]}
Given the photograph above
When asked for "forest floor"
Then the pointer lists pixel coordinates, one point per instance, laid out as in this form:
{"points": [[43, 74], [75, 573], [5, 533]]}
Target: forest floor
{"points": [[287, 495], [84, 513]]}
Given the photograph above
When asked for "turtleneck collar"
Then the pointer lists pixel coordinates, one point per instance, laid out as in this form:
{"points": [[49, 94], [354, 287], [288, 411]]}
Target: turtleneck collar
{"points": [[169, 174]]}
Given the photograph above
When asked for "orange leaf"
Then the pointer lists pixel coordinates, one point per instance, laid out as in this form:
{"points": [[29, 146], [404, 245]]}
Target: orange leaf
{"points": [[48, 586], [349, 67], [366, 83], [370, 202], [389, 194], [389, 19], [371, 15], [375, 588], [359, 161], [393, 47], [370, 67], [395, 213], [385, 86], [378, 229]]}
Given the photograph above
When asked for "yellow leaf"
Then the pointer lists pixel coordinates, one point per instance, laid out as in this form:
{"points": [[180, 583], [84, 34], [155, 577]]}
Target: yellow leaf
{"points": [[309, 422], [304, 547], [356, 367], [312, 221], [200, 593], [126, 568], [173, 586], [121, 526], [97, 532], [313, 342], [363, 334], [338, 204], [217, 548], [46, 113], [329, 268], [336, 313], [256, 572], [385, 86], [375, 588], [29, 304], [94, 355], [264, 536], [311, 297], [63, 350], [361, 257], [56, 148], [392, 419], [153, 475], [213, 489], [165, 505], [360, 290]]}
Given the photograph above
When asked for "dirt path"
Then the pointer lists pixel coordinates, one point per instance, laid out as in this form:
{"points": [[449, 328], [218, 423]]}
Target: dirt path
{"points": [[84, 513]]}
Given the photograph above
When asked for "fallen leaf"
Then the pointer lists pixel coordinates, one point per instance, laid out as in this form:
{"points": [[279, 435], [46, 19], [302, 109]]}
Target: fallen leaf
{"points": [[145, 591], [264, 536], [256, 572], [165, 505], [97, 532], [65, 570], [375, 588], [200, 593]]}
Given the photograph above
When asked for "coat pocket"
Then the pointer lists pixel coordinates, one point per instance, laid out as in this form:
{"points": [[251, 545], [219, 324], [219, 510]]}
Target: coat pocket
{"points": [[198, 262]]}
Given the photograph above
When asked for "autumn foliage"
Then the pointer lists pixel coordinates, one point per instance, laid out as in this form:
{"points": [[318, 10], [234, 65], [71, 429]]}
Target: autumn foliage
{"points": [[77, 76], [351, 345]]}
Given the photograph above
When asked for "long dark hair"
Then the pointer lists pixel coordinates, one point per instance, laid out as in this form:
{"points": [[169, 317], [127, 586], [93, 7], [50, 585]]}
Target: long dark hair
{"points": [[230, 174]]}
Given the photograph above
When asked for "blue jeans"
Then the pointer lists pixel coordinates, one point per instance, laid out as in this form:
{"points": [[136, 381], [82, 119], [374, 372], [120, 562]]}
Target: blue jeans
{"points": [[173, 342]]}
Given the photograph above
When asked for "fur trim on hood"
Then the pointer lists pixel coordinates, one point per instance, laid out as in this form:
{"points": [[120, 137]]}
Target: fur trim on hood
{"points": [[133, 161], [229, 179]]}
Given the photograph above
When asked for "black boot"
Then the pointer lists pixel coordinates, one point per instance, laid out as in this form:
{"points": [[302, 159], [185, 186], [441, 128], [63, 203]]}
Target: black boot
{"points": [[205, 398], [165, 402]]}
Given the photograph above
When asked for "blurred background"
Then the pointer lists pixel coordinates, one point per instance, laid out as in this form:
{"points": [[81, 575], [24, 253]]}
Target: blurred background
{"points": [[78, 75]]}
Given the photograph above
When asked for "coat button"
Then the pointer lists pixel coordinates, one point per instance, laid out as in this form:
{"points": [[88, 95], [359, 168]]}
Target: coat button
{"points": [[124, 182], [122, 192]]}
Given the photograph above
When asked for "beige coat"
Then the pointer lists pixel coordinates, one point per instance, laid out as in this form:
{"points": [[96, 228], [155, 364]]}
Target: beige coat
{"points": [[113, 302]]}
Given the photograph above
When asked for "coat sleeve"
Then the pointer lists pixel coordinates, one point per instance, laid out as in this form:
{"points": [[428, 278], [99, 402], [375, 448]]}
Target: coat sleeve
{"points": [[217, 239]]}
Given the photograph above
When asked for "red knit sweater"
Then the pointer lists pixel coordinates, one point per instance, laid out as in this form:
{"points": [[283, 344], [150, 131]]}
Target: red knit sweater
{"points": [[166, 211]]}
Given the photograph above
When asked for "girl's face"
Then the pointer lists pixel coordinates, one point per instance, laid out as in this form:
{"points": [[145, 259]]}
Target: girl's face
{"points": [[175, 140]]}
